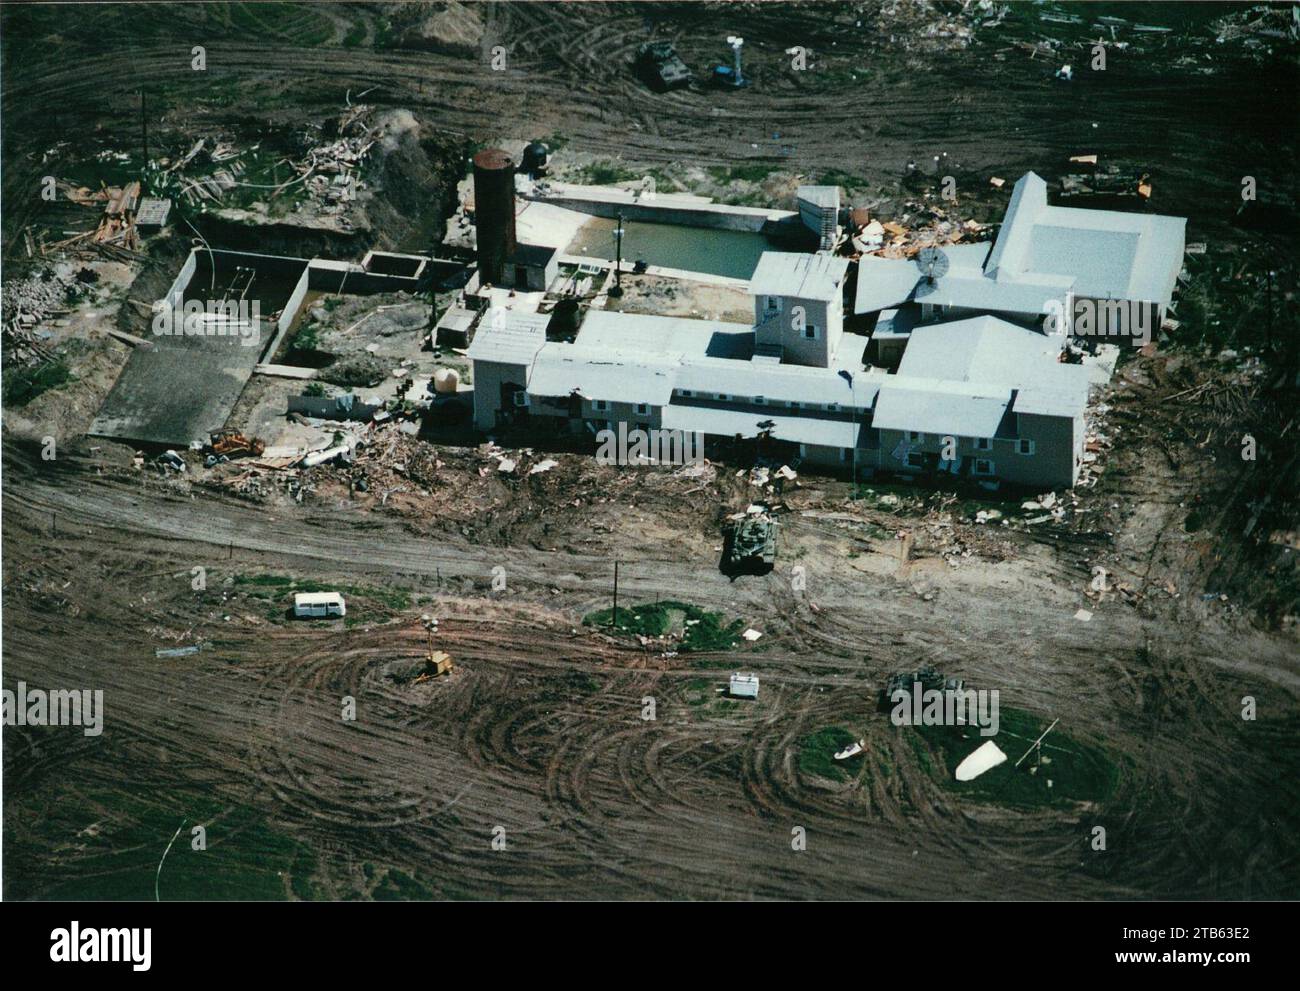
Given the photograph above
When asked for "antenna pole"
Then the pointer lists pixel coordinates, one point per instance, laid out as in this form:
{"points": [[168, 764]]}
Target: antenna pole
{"points": [[1034, 746]]}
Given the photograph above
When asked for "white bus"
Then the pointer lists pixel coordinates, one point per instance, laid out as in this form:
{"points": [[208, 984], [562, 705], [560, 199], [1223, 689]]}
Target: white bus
{"points": [[744, 686], [315, 604]]}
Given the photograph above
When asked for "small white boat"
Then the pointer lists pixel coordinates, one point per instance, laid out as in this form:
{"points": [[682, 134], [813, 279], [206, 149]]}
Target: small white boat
{"points": [[984, 758], [852, 750]]}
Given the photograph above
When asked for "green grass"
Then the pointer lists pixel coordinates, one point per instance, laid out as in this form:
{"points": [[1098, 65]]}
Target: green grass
{"points": [[740, 173], [701, 630], [278, 589], [21, 385], [817, 754], [355, 36], [106, 846], [604, 174], [1079, 772]]}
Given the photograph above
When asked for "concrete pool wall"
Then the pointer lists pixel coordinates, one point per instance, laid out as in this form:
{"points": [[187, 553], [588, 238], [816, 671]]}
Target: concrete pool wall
{"points": [[681, 209]]}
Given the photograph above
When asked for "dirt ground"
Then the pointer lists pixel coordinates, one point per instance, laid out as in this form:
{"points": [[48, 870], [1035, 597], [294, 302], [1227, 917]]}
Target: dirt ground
{"points": [[530, 771]]}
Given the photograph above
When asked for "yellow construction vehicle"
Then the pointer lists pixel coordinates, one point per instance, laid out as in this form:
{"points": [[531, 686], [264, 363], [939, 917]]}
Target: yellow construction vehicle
{"points": [[438, 663]]}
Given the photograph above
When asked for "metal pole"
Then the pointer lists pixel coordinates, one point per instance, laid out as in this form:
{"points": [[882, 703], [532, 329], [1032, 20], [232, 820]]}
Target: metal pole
{"points": [[617, 290], [144, 129], [614, 621]]}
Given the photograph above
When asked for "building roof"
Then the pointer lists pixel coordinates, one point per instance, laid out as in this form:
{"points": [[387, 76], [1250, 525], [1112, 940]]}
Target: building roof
{"points": [[776, 383], [979, 349], [796, 429], [1061, 390], [1109, 254], [884, 283], [934, 406], [512, 339], [665, 336], [977, 292], [805, 276], [533, 255], [563, 369], [989, 352]]}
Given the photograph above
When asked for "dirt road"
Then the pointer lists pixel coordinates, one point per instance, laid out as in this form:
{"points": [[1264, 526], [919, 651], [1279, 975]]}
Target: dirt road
{"points": [[540, 730]]}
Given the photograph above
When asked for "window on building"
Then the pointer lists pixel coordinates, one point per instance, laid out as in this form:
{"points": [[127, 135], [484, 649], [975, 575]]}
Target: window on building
{"points": [[832, 407], [642, 409], [983, 443], [810, 332], [915, 459], [600, 405], [772, 304], [759, 401], [803, 450], [916, 437], [521, 398], [983, 466], [685, 393], [846, 454], [792, 404], [1025, 446], [723, 397]]}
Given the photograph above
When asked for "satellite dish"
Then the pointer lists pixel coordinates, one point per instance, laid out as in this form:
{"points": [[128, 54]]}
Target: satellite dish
{"points": [[933, 264]]}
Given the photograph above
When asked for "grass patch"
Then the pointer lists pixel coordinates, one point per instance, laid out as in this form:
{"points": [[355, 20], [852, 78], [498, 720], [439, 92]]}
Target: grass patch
{"points": [[1079, 772], [281, 587], [700, 630], [108, 845], [604, 174], [740, 173], [21, 385], [817, 753]]}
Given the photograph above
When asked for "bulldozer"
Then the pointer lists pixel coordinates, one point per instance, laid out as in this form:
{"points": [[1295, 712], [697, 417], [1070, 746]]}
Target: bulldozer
{"points": [[233, 444]]}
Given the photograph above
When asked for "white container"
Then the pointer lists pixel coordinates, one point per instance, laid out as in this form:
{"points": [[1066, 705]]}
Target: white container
{"points": [[317, 604], [744, 686], [446, 381]]}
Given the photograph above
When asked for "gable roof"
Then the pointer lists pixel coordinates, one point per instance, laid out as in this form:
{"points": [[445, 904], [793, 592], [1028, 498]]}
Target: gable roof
{"points": [[1108, 253], [934, 406]]}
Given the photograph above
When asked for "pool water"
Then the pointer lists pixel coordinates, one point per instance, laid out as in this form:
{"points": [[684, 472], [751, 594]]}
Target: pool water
{"points": [[698, 249]]}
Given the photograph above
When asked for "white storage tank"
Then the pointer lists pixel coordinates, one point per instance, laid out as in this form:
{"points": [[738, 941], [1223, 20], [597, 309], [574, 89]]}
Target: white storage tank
{"points": [[317, 604], [446, 381], [744, 686]]}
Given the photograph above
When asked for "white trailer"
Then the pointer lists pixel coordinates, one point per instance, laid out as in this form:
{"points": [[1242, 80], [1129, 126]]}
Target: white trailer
{"points": [[316, 604], [744, 686]]}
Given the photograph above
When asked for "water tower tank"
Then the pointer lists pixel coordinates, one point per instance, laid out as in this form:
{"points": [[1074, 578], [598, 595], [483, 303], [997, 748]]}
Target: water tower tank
{"points": [[494, 212], [445, 381]]}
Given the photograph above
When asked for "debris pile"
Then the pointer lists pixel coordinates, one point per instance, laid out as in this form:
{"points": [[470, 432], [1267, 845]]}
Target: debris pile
{"points": [[925, 25], [924, 226], [24, 304]]}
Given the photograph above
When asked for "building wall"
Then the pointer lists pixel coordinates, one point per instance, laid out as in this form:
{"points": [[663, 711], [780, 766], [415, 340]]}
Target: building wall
{"points": [[489, 376], [779, 329], [1109, 325], [1058, 450]]}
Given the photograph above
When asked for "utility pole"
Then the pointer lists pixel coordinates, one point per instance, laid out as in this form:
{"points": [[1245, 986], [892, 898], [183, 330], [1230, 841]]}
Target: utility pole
{"points": [[614, 621], [617, 290], [144, 132]]}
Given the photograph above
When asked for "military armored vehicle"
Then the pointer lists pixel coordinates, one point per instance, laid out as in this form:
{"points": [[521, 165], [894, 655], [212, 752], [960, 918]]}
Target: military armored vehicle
{"points": [[658, 63], [753, 542], [927, 677]]}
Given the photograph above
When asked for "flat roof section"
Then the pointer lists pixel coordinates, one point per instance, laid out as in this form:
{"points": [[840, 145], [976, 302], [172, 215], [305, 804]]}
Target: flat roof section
{"points": [[788, 273]]}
